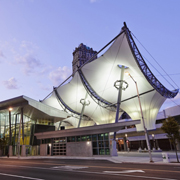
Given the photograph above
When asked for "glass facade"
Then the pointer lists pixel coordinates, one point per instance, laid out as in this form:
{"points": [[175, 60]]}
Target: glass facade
{"points": [[15, 123]]}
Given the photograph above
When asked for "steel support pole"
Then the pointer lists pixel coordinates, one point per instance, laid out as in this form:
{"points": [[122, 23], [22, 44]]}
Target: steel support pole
{"points": [[119, 97], [82, 111], [22, 121], [15, 136], [10, 133], [142, 117], [10, 151]]}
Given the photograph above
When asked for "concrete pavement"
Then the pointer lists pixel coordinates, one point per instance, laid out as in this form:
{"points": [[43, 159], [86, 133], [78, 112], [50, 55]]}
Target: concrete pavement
{"points": [[123, 157]]}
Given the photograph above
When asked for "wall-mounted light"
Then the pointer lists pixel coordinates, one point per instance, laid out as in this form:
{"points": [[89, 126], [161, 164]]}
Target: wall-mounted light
{"points": [[88, 142]]}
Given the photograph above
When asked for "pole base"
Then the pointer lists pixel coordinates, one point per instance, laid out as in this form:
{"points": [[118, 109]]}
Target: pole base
{"points": [[114, 150], [23, 150]]}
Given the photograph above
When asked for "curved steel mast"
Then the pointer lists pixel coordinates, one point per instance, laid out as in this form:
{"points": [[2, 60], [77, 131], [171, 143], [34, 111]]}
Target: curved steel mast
{"points": [[145, 69]]}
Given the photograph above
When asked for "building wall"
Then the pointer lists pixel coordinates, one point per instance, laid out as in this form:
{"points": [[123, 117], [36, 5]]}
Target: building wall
{"points": [[79, 149], [43, 149], [82, 54]]}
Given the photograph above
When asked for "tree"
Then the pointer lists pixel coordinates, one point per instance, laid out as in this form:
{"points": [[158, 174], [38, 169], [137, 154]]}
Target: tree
{"points": [[171, 128]]}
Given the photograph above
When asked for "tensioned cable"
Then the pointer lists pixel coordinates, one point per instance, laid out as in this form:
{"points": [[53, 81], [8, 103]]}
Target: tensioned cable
{"points": [[175, 102], [158, 71], [175, 74], [87, 61], [155, 60]]}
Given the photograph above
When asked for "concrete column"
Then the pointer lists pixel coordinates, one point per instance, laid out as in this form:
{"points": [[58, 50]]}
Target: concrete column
{"points": [[23, 150], [43, 149]]}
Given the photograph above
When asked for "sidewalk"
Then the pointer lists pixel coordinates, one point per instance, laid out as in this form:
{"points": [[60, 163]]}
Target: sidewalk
{"points": [[123, 157]]}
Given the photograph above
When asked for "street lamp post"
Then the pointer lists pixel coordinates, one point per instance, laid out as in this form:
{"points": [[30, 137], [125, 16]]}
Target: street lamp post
{"points": [[142, 117]]}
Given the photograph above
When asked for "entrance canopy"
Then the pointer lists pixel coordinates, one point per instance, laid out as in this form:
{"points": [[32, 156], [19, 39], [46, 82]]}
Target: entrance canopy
{"points": [[94, 82], [106, 128], [32, 109]]}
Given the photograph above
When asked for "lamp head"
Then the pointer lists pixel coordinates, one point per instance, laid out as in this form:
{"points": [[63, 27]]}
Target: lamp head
{"points": [[10, 109], [127, 73]]}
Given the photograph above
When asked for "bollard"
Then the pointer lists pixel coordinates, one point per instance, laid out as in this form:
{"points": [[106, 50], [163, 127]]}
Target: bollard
{"points": [[166, 157]]}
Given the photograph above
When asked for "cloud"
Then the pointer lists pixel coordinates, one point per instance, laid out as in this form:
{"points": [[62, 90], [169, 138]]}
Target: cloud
{"points": [[29, 62], [11, 83], [28, 46], [45, 69], [59, 75], [1, 54]]}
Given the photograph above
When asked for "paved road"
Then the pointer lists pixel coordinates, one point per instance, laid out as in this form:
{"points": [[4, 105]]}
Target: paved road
{"points": [[69, 169]]}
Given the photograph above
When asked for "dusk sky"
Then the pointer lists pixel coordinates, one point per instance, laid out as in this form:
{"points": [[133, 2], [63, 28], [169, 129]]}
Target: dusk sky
{"points": [[37, 38]]}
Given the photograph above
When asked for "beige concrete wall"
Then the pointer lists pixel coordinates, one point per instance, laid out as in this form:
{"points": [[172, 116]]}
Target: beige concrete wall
{"points": [[79, 149], [23, 150], [43, 149]]}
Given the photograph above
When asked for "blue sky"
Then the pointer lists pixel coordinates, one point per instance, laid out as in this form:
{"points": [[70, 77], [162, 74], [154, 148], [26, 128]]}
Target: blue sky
{"points": [[37, 38]]}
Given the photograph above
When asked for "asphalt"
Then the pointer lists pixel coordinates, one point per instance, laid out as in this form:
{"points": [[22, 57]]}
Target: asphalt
{"points": [[123, 157]]}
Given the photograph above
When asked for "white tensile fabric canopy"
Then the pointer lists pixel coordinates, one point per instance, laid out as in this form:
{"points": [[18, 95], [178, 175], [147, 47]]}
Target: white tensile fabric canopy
{"points": [[100, 75]]}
